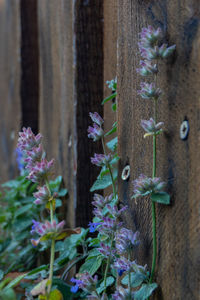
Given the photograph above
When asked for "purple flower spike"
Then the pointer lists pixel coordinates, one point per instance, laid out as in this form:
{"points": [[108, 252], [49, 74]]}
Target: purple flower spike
{"points": [[145, 185], [41, 170], [147, 68], [85, 282], [96, 118], [33, 156], [95, 132], [27, 140], [150, 36], [151, 127], [100, 201], [165, 51], [121, 294], [122, 264], [100, 159], [149, 91], [42, 196], [125, 240]]}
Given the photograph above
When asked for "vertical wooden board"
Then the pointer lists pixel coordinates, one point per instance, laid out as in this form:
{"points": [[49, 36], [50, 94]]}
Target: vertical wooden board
{"points": [[178, 225], [9, 85], [55, 25], [88, 28], [110, 55]]}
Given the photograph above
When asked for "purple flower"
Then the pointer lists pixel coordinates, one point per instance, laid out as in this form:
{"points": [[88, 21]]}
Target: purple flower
{"points": [[78, 283], [27, 140], [122, 264], [100, 201], [145, 185], [44, 228], [121, 294], [149, 37], [149, 91], [95, 132], [96, 118], [106, 250], [41, 170], [114, 211], [85, 282], [125, 240], [165, 51], [93, 226], [34, 155], [42, 196], [151, 127], [100, 159], [147, 68]]}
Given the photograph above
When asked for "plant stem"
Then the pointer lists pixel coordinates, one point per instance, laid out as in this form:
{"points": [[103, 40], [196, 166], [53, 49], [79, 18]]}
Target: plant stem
{"points": [[108, 261], [52, 245], [153, 207], [129, 276], [109, 168]]}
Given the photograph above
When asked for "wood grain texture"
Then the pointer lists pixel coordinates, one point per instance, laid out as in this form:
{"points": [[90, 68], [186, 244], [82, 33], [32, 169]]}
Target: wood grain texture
{"points": [[56, 91], [110, 61], [10, 112], [178, 225], [70, 35]]}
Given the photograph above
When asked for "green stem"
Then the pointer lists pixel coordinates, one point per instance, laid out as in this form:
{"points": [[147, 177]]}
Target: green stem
{"points": [[108, 262], [153, 207], [129, 276], [109, 168], [52, 245], [51, 265]]}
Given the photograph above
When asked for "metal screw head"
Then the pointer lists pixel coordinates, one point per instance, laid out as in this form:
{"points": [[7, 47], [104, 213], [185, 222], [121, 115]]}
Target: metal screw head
{"points": [[126, 172], [184, 130]]}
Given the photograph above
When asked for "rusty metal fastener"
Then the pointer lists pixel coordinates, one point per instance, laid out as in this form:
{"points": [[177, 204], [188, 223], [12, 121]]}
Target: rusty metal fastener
{"points": [[184, 130], [126, 172]]}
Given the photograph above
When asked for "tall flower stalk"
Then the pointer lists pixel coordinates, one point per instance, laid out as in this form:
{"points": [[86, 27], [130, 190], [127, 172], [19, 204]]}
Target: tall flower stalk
{"points": [[39, 171], [151, 51]]}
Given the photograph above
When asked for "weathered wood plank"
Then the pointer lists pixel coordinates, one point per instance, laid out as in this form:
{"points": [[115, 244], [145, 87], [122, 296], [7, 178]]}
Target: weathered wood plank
{"points": [[56, 120], [10, 115], [178, 225], [70, 34]]}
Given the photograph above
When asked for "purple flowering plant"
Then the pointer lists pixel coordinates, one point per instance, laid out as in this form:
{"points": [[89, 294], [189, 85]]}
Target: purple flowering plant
{"points": [[39, 170]]}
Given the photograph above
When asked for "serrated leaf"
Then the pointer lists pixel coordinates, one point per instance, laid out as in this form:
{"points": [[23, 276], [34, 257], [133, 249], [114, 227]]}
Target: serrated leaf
{"points": [[161, 197], [112, 96], [136, 279], [145, 291], [101, 184]]}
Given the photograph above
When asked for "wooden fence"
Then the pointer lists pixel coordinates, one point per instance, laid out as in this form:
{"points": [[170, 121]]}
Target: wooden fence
{"points": [[55, 56]]}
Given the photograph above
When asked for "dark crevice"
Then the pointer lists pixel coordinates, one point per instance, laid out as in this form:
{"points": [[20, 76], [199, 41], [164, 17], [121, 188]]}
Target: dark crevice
{"points": [[29, 64]]}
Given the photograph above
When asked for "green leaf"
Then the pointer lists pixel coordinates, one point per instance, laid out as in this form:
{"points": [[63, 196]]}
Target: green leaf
{"points": [[94, 242], [136, 279], [55, 295], [7, 294], [112, 96], [1, 274], [23, 209], [37, 270], [109, 281], [161, 197], [93, 253], [145, 291], [114, 129], [114, 106], [91, 265], [63, 288], [62, 192], [101, 184], [15, 282], [112, 145]]}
